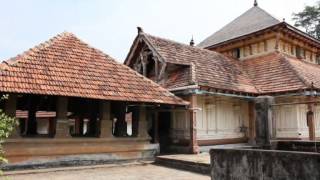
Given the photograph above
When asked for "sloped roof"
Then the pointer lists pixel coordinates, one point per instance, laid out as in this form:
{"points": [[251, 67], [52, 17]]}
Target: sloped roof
{"points": [[211, 68], [276, 72], [66, 66], [271, 73], [255, 19]]}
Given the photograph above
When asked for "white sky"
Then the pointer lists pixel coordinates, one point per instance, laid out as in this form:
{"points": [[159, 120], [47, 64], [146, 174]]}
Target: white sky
{"points": [[110, 25]]}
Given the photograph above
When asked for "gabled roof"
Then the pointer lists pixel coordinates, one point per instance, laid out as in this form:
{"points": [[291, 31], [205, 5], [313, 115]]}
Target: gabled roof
{"points": [[66, 66], [255, 19], [271, 73], [211, 68]]}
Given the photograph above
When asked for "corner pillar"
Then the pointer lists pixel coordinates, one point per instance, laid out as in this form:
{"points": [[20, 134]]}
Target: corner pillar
{"points": [[194, 148], [10, 110], [263, 122], [106, 123], [62, 127], [310, 121]]}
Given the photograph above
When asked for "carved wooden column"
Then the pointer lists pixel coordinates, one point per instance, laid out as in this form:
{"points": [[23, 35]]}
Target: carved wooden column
{"points": [[10, 110], [144, 64], [106, 122], [62, 127], [194, 148], [156, 68], [310, 120], [143, 126]]}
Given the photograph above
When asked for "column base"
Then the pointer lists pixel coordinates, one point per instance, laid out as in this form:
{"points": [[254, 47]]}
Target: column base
{"points": [[62, 129], [106, 129], [15, 133], [194, 149]]}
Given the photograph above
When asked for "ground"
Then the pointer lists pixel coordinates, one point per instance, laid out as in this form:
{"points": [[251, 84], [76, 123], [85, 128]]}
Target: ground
{"points": [[195, 158], [124, 172]]}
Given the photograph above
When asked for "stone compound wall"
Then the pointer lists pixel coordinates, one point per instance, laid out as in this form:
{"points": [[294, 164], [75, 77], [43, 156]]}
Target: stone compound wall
{"points": [[256, 164]]}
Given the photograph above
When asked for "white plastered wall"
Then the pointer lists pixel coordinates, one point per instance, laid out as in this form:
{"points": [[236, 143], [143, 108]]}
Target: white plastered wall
{"points": [[290, 121]]}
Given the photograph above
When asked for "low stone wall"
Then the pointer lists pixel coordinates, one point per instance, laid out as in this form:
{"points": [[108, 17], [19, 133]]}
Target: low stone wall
{"points": [[244, 164], [46, 153]]}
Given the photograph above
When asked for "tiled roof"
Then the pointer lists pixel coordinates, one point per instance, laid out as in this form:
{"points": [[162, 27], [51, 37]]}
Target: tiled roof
{"points": [[211, 68], [277, 72], [253, 20], [271, 73], [66, 66]]}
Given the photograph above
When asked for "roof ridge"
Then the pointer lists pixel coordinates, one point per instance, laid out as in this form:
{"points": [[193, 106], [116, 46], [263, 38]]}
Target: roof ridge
{"points": [[182, 44]]}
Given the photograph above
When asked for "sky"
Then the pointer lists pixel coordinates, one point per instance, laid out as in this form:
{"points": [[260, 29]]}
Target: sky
{"points": [[110, 25]]}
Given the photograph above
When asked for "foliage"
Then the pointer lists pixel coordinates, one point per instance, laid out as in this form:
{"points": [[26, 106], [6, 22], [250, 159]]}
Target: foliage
{"points": [[309, 20], [7, 125]]}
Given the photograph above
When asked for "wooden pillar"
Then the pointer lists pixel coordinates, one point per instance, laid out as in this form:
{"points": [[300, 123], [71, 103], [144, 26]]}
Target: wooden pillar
{"points": [[32, 119], [143, 126], [135, 121], [62, 127], [106, 122], [10, 110], [310, 120], [194, 148], [119, 110], [156, 127], [252, 128]]}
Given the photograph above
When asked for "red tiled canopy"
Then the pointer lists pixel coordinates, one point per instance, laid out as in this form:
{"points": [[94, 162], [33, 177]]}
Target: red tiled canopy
{"points": [[271, 73], [66, 66]]}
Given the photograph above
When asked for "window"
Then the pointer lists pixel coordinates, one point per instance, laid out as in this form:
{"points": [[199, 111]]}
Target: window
{"points": [[41, 125], [265, 44], [292, 49], [299, 52], [236, 53], [318, 59]]}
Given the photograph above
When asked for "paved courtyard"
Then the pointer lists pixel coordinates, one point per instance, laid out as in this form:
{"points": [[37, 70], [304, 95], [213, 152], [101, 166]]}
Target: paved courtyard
{"points": [[129, 172]]}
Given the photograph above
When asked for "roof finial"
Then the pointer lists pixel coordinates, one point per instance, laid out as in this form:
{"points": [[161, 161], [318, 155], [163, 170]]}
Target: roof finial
{"points": [[192, 41], [255, 3], [140, 30]]}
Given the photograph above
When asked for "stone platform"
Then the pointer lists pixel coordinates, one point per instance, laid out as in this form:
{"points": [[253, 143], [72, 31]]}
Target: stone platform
{"points": [[199, 163]]}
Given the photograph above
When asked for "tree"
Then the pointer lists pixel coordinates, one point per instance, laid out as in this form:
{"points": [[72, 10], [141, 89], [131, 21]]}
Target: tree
{"points": [[309, 20], [7, 125]]}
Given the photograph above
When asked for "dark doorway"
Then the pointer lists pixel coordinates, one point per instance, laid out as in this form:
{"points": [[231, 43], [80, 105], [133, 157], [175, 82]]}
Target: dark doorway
{"points": [[164, 131]]}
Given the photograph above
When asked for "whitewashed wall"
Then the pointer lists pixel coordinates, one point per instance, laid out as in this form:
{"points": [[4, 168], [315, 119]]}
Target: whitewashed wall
{"points": [[180, 125], [290, 121], [221, 118], [217, 118]]}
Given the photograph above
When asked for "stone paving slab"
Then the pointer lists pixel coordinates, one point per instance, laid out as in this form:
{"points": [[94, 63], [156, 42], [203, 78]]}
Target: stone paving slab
{"points": [[125, 172], [195, 158]]}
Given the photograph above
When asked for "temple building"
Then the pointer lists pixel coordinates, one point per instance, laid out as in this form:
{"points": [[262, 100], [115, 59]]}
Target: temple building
{"points": [[254, 55], [71, 99]]}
